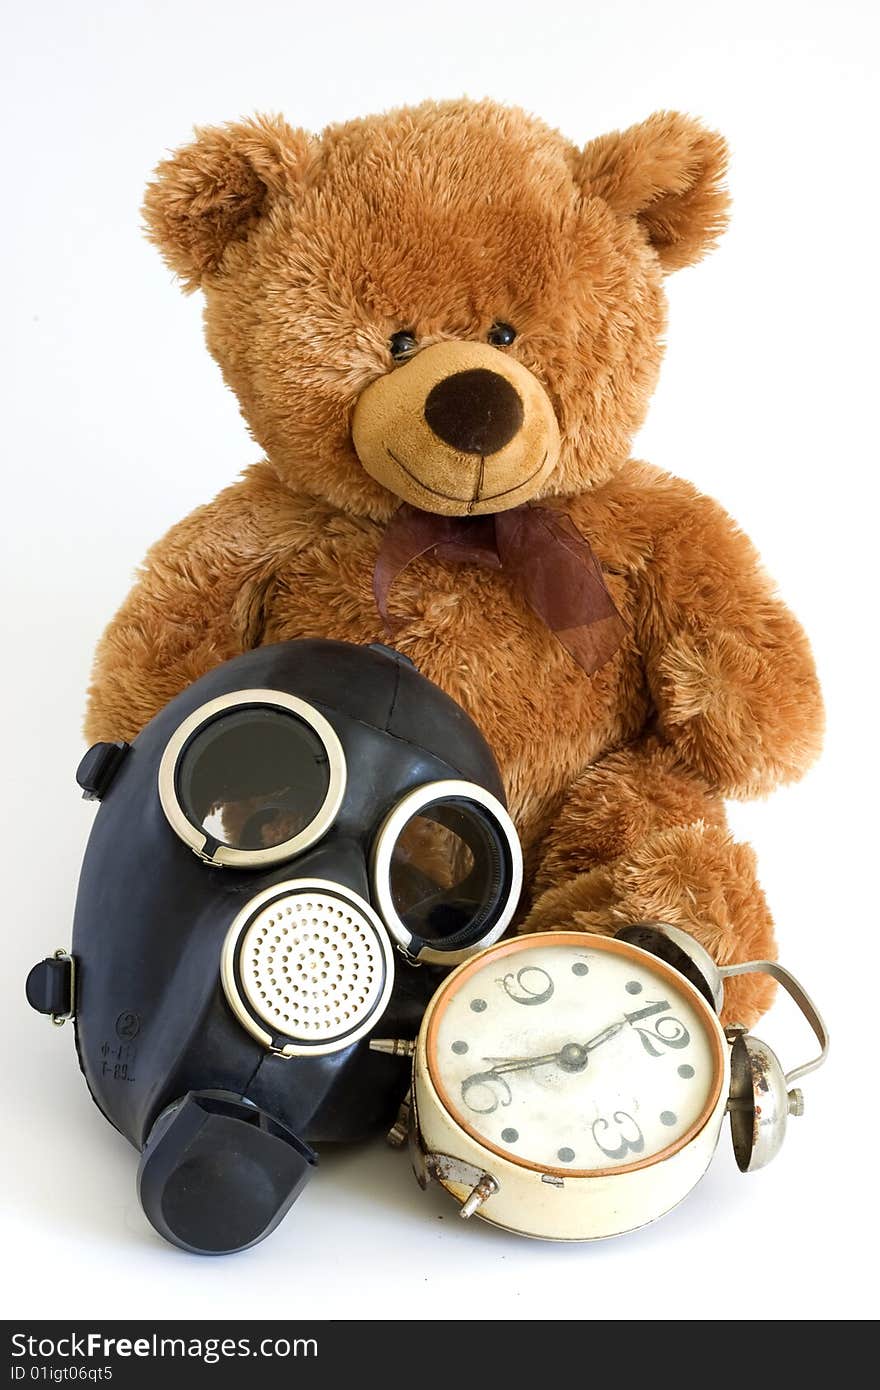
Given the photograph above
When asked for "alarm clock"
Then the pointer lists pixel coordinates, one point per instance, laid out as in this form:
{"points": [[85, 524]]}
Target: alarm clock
{"points": [[570, 1086]]}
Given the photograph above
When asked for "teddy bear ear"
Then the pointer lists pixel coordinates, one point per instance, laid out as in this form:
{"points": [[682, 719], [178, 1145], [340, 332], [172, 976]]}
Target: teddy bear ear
{"points": [[667, 173], [211, 192]]}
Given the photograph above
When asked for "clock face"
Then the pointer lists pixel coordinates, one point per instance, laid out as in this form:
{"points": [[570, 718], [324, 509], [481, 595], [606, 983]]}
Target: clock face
{"points": [[575, 1054]]}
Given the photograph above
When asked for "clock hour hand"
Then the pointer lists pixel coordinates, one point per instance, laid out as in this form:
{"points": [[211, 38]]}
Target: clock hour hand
{"points": [[598, 1038], [575, 1056]]}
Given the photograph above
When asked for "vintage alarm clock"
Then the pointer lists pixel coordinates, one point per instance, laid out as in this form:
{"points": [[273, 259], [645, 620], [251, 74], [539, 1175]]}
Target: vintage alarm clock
{"points": [[570, 1086]]}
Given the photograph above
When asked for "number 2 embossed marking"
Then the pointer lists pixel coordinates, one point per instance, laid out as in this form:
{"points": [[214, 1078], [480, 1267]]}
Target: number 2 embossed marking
{"points": [[668, 1031]]}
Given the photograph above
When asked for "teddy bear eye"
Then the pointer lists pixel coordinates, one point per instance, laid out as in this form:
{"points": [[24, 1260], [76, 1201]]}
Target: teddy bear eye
{"points": [[501, 334], [402, 345]]}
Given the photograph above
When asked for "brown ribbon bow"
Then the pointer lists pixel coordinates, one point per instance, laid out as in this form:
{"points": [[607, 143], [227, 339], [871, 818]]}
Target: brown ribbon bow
{"points": [[541, 548]]}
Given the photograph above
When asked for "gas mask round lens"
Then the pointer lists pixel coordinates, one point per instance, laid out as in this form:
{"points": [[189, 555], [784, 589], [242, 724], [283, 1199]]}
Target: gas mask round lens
{"points": [[252, 778], [447, 871]]}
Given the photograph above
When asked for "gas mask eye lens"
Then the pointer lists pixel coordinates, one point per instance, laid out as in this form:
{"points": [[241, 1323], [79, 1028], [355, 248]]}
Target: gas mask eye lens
{"points": [[252, 778], [447, 871]]}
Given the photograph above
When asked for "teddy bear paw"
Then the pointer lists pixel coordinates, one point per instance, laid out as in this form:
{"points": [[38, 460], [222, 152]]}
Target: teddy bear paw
{"points": [[694, 877]]}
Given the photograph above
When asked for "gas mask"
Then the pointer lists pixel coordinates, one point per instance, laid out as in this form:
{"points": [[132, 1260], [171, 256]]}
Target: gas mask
{"points": [[292, 851]]}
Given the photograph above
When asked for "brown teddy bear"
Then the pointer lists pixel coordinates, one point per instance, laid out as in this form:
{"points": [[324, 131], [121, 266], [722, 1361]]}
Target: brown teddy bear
{"points": [[443, 326]]}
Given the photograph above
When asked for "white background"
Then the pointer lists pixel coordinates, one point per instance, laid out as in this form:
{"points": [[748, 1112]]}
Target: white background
{"points": [[116, 423]]}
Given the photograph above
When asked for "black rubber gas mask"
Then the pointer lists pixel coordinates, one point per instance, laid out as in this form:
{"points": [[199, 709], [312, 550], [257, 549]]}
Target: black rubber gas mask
{"points": [[288, 856]]}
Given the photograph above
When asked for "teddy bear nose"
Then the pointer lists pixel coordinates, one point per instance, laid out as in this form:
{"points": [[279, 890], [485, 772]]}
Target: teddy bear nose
{"points": [[476, 412]]}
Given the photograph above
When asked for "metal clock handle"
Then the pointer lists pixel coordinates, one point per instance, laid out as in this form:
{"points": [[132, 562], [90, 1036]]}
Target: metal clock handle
{"points": [[797, 992], [761, 1094], [761, 1100]]}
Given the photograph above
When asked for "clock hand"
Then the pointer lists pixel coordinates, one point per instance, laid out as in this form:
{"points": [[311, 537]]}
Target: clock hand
{"points": [[575, 1056], [571, 1057], [481, 1082], [598, 1038], [517, 1063]]}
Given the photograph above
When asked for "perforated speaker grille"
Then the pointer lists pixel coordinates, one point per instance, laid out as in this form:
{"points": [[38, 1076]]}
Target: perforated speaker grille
{"points": [[312, 966]]}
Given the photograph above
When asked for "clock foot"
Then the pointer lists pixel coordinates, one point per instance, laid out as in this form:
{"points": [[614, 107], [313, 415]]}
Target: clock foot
{"points": [[399, 1131], [485, 1188]]}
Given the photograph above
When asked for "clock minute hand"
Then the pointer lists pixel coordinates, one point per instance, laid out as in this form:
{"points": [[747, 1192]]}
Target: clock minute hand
{"points": [[571, 1057], [503, 1064]]}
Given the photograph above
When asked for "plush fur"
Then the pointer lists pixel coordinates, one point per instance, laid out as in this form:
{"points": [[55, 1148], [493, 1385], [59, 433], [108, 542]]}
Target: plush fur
{"points": [[311, 252]]}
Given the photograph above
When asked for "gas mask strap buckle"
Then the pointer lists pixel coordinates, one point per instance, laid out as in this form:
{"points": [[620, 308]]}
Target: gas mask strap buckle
{"points": [[51, 986], [98, 767]]}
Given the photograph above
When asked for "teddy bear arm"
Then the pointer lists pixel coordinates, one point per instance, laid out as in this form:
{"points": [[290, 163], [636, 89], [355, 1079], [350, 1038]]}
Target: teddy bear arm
{"points": [[637, 838], [198, 601], [729, 667]]}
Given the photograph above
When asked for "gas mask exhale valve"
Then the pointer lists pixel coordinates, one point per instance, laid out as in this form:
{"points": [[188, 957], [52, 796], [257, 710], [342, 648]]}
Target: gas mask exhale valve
{"points": [[294, 850], [307, 968]]}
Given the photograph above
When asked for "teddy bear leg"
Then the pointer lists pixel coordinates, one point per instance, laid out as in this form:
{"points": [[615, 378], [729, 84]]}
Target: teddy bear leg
{"points": [[639, 839]]}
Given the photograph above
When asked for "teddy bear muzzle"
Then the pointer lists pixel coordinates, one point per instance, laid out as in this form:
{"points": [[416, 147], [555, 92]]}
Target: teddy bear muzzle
{"points": [[461, 429]]}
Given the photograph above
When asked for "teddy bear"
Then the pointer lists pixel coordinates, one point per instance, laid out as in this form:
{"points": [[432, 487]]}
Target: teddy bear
{"points": [[443, 325]]}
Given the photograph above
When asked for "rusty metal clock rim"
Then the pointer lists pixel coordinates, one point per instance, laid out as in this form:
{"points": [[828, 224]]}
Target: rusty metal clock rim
{"points": [[451, 986]]}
